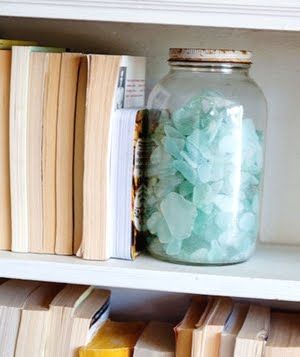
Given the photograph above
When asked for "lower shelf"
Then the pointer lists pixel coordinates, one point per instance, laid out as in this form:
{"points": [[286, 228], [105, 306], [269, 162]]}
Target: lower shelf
{"points": [[272, 273]]}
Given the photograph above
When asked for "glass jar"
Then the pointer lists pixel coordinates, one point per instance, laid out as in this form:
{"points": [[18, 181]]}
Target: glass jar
{"points": [[205, 170]]}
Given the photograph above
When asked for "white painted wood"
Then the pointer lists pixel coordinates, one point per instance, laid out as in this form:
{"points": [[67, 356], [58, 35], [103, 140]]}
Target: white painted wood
{"points": [[273, 273], [256, 14]]}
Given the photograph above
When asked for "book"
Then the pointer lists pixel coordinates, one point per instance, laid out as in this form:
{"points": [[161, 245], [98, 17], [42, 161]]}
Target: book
{"points": [[157, 340], [284, 336], [62, 309], [79, 153], [34, 321], [211, 327], [88, 318], [114, 339], [42, 111], [70, 63], [251, 339], [232, 328], [184, 330], [109, 78], [18, 138], [5, 207], [198, 330], [49, 123], [8, 44], [13, 296]]}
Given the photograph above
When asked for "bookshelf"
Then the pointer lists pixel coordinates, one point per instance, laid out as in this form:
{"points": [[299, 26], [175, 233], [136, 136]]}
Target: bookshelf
{"points": [[133, 27], [255, 14], [273, 273]]}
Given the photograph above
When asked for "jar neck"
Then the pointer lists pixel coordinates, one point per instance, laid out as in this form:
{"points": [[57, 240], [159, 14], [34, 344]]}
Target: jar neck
{"points": [[211, 67]]}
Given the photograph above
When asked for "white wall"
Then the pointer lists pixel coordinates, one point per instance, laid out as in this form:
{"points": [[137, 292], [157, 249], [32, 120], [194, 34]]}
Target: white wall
{"points": [[276, 68]]}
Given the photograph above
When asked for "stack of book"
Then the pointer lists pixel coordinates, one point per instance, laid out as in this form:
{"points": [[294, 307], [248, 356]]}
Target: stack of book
{"points": [[66, 146], [220, 327], [48, 319]]}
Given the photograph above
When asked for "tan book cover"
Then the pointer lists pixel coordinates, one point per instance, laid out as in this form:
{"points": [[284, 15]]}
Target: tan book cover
{"points": [[51, 88], [157, 340], [284, 337], [79, 153], [101, 85], [64, 152], [42, 112], [33, 327], [184, 330], [251, 340], [232, 328]]}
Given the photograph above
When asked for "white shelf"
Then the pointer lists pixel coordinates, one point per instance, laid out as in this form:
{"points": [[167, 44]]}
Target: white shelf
{"points": [[256, 14], [273, 273]]}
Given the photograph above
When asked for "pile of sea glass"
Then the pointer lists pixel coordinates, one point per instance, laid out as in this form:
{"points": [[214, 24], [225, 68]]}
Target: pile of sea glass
{"points": [[204, 175]]}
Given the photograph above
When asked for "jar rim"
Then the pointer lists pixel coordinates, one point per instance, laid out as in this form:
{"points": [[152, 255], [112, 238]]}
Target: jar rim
{"points": [[209, 55]]}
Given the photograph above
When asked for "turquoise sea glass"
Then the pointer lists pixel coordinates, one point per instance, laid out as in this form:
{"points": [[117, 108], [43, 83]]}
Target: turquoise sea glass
{"points": [[204, 172]]}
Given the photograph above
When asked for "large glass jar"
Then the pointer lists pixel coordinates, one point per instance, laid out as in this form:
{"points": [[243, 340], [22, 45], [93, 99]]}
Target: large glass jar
{"points": [[205, 170]]}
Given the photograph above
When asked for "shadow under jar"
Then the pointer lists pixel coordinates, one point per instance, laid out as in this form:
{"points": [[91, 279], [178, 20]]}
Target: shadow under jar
{"points": [[205, 169]]}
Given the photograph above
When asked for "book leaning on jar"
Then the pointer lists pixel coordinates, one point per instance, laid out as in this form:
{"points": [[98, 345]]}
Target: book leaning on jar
{"points": [[108, 158]]}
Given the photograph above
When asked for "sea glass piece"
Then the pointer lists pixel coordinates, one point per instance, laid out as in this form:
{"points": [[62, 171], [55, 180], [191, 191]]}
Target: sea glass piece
{"points": [[179, 214]]}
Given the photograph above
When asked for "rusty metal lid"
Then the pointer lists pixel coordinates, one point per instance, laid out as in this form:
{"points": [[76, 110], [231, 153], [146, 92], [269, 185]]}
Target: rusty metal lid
{"points": [[209, 55]]}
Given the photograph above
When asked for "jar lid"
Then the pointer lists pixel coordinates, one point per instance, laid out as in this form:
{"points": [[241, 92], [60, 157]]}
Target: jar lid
{"points": [[209, 55]]}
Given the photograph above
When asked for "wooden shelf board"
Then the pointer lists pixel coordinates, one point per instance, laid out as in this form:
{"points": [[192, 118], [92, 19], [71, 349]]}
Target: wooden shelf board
{"points": [[272, 273]]}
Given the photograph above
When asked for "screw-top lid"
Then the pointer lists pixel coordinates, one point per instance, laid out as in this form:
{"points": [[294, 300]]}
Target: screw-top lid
{"points": [[209, 55]]}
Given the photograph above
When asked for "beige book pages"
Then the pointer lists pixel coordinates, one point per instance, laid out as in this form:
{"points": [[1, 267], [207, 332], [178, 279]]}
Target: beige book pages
{"points": [[34, 150], [5, 208], [51, 87], [64, 152], [252, 337], [232, 328], [284, 337], [79, 153], [101, 85], [198, 331], [34, 321], [18, 147], [62, 308], [157, 340], [13, 295], [18, 142], [214, 325], [184, 330], [82, 319]]}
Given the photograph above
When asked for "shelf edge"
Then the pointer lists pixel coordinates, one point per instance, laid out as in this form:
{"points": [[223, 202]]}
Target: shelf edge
{"points": [[255, 14]]}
